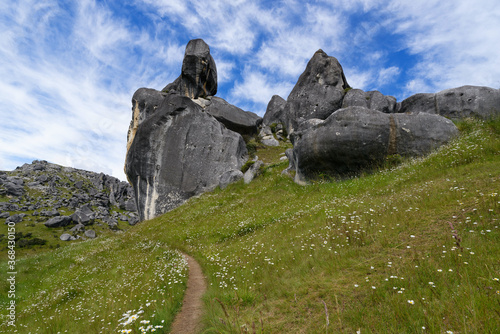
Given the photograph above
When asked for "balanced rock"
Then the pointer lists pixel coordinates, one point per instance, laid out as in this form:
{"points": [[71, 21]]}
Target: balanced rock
{"points": [[318, 92], [355, 138], [457, 103], [199, 74], [179, 152], [234, 118]]}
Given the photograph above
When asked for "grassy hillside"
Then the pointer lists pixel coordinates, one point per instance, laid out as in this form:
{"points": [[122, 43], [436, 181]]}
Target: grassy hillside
{"points": [[407, 249]]}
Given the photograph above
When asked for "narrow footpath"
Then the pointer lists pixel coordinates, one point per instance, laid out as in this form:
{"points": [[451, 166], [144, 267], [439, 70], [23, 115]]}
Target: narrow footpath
{"points": [[188, 320]]}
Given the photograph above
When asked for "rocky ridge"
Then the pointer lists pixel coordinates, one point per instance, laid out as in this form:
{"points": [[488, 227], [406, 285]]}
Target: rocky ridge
{"points": [[65, 197], [184, 141]]}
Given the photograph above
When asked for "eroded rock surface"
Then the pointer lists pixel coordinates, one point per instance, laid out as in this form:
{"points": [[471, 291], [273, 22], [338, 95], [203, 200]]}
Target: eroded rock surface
{"points": [[318, 92], [355, 138], [457, 103], [179, 152]]}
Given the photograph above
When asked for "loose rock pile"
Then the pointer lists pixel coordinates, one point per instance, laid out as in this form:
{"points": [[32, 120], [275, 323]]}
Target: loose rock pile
{"points": [[59, 196]]}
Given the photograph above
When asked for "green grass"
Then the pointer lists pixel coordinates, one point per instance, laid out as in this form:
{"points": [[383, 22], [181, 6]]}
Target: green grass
{"points": [[395, 251]]}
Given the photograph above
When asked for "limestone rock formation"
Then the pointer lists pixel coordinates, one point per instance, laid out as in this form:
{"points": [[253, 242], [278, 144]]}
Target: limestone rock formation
{"points": [[318, 92], [374, 100], [457, 103], [57, 196], [184, 141], [199, 73], [354, 138], [234, 118], [179, 152], [274, 111]]}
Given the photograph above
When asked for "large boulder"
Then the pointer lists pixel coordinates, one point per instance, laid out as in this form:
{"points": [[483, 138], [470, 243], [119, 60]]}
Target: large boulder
{"points": [[456, 103], [355, 138], [59, 221], [318, 92], [234, 118], [199, 73], [274, 111], [371, 100], [179, 152]]}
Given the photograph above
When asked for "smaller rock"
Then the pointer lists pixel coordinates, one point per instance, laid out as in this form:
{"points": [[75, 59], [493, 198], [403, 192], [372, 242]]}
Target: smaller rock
{"points": [[78, 228], [59, 221], [230, 177], [267, 138], [4, 215], [133, 220], [50, 213], [17, 218], [67, 237], [252, 171], [90, 234]]}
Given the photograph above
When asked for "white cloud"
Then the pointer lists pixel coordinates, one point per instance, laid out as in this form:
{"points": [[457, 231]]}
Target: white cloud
{"points": [[258, 89], [388, 75], [457, 41]]}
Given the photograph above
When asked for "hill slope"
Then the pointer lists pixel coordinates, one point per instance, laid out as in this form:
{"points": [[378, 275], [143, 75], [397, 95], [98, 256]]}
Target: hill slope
{"points": [[410, 248]]}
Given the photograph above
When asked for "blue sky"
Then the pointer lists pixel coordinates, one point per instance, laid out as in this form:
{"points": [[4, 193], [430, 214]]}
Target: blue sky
{"points": [[68, 69]]}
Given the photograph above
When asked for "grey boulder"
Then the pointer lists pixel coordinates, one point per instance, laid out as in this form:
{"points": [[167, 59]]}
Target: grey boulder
{"points": [[357, 138], [252, 172], [84, 215], [17, 218], [318, 92], [267, 137], [67, 237], [234, 118], [90, 234], [230, 177], [371, 100], [179, 152], [199, 73], [59, 221], [457, 103], [274, 111]]}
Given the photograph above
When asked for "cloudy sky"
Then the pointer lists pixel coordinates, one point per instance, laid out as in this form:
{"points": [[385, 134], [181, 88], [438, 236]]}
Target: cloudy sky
{"points": [[68, 69]]}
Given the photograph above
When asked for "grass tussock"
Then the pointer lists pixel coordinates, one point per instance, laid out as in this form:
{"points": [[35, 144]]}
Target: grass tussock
{"points": [[412, 248]]}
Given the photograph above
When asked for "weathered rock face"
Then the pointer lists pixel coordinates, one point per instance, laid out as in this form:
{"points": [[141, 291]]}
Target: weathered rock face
{"points": [[199, 73], [144, 103], [274, 111], [371, 100], [354, 138], [179, 152], [234, 118], [456, 103], [318, 92]]}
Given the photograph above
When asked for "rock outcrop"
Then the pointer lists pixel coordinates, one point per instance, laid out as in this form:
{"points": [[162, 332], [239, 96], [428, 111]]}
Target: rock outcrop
{"points": [[179, 152], [457, 103], [318, 92], [199, 73], [234, 118], [356, 138], [184, 141], [62, 197], [374, 100]]}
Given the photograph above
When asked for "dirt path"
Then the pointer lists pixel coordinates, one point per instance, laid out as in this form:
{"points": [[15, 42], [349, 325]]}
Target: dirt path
{"points": [[188, 321]]}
